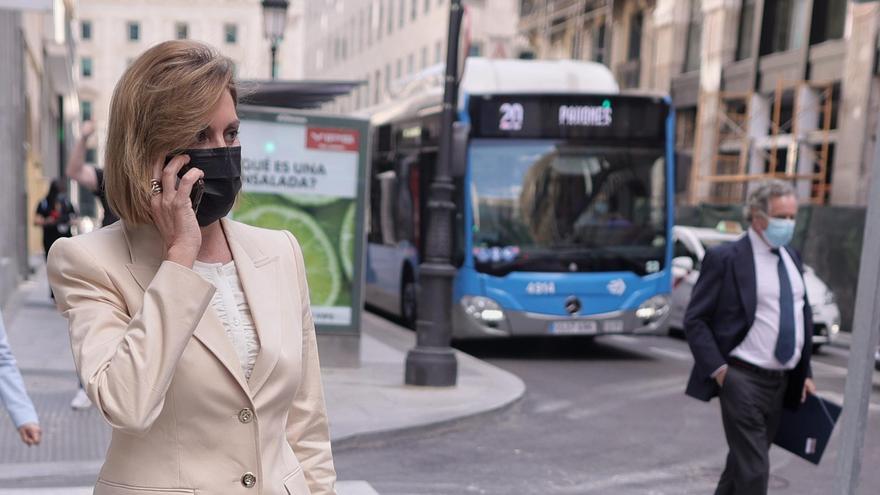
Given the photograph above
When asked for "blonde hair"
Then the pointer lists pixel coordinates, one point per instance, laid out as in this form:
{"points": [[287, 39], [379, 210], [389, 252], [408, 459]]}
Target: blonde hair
{"points": [[163, 100]]}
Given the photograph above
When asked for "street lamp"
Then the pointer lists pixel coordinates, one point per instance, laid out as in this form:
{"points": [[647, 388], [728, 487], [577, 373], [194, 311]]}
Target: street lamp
{"points": [[274, 23], [432, 362]]}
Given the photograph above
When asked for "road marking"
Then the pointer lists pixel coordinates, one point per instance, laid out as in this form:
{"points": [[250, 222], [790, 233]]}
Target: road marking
{"points": [[837, 398], [624, 399], [342, 488], [623, 339], [552, 406], [672, 353]]}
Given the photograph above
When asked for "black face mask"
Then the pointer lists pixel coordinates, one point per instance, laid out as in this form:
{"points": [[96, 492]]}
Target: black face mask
{"points": [[215, 197]]}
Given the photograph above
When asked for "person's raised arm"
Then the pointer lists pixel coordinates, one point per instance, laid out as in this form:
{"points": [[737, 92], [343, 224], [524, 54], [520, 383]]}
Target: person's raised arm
{"points": [[77, 169]]}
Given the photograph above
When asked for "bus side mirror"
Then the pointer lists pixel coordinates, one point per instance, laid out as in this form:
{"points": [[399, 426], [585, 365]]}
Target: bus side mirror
{"points": [[460, 133]]}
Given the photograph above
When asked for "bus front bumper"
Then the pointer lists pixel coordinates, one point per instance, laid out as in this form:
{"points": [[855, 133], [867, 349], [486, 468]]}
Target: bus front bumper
{"points": [[522, 323]]}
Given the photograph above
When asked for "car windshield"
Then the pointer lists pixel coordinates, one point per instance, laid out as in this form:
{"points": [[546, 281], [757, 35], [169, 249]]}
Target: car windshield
{"points": [[559, 206]]}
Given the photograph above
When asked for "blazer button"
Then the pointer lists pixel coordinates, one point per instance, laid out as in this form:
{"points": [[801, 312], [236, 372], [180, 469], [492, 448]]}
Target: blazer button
{"points": [[248, 480], [245, 415]]}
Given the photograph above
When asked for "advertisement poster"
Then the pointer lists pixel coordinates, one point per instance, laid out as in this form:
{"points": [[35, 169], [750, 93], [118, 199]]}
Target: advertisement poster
{"points": [[305, 175]]}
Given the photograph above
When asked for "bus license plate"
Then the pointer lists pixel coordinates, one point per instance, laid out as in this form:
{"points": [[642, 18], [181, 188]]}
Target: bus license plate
{"points": [[574, 328]]}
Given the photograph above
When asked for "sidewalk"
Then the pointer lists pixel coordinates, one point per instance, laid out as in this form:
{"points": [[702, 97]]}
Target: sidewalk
{"points": [[362, 403]]}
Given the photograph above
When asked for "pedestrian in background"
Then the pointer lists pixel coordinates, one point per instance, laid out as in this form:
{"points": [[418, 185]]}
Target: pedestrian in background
{"points": [[15, 398], [87, 175], [55, 214], [749, 327], [192, 333]]}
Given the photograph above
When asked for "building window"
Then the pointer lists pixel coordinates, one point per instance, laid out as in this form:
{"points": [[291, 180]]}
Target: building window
{"points": [[378, 87], [694, 37], [783, 27], [370, 22], [181, 30], [399, 72], [746, 30], [829, 18], [381, 20], [85, 30], [427, 6], [410, 63], [390, 16], [361, 31], [85, 109], [134, 31], [86, 66], [401, 16], [438, 51], [424, 56], [230, 33], [634, 49], [415, 10], [599, 43], [387, 76], [476, 49]]}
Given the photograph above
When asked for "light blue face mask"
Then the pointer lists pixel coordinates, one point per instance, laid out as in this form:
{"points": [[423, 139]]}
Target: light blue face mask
{"points": [[779, 231]]}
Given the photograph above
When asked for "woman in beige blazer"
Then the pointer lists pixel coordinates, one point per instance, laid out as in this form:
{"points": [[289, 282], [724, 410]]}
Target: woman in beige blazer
{"points": [[192, 334]]}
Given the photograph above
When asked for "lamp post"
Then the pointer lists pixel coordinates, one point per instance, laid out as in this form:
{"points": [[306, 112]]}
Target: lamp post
{"points": [[274, 23], [432, 362]]}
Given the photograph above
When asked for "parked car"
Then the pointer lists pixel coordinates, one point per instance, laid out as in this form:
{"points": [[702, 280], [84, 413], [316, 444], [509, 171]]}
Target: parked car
{"points": [[690, 246]]}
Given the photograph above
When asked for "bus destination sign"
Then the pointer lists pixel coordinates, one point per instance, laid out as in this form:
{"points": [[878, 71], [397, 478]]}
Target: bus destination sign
{"points": [[601, 117]]}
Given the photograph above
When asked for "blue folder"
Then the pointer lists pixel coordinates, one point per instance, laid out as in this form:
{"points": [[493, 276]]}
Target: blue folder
{"points": [[805, 432]]}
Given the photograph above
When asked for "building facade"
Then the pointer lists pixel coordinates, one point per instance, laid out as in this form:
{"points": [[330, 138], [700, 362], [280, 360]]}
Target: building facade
{"points": [[37, 111], [785, 88], [110, 34], [384, 42]]}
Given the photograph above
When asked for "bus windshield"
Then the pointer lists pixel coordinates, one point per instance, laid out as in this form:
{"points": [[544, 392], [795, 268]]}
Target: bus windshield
{"points": [[556, 205]]}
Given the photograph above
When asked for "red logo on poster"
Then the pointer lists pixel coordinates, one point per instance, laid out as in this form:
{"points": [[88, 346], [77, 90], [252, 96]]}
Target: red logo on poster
{"points": [[321, 138]]}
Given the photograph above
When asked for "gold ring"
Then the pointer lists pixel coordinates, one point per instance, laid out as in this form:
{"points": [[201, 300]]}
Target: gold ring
{"points": [[155, 187]]}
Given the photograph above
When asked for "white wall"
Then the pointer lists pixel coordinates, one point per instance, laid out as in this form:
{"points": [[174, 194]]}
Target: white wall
{"points": [[334, 24], [111, 51]]}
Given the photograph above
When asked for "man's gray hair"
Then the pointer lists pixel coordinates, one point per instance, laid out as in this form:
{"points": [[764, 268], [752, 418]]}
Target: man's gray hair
{"points": [[759, 198]]}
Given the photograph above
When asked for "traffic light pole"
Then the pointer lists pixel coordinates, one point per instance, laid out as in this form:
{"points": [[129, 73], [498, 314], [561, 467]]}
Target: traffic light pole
{"points": [[432, 362], [866, 325]]}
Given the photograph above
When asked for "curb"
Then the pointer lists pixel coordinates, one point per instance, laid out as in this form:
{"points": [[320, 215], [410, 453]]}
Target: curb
{"points": [[358, 440]]}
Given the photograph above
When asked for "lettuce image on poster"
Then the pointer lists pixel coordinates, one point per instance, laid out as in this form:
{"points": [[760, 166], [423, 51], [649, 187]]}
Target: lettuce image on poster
{"points": [[321, 228]]}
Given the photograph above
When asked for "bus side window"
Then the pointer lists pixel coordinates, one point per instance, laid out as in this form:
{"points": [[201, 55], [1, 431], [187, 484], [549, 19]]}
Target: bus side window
{"points": [[387, 197], [404, 203]]}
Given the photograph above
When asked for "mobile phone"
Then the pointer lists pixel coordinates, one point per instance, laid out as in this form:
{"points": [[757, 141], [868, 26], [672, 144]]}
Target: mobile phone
{"points": [[198, 189]]}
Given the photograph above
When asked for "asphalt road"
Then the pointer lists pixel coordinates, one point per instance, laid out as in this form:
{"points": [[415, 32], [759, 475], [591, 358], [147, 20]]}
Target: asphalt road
{"points": [[600, 417]]}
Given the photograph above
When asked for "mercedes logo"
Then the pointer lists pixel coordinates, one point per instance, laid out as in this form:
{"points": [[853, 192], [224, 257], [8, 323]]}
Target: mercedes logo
{"points": [[572, 305]]}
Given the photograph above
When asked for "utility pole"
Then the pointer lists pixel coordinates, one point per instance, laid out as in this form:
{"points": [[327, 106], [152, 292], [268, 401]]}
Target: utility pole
{"points": [[432, 362], [866, 324]]}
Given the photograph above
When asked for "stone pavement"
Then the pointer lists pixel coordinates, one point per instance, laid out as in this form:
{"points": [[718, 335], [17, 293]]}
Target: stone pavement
{"points": [[362, 402]]}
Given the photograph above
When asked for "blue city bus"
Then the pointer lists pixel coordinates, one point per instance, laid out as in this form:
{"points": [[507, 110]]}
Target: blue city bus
{"points": [[564, 201]]}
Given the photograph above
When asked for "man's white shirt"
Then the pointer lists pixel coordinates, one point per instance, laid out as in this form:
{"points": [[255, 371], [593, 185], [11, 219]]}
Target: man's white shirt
{"points": [[759, 346]]}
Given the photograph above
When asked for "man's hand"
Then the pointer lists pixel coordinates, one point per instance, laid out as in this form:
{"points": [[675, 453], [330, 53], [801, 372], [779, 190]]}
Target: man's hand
{"points": [[809, 388], [30, 433], [722, 374]]}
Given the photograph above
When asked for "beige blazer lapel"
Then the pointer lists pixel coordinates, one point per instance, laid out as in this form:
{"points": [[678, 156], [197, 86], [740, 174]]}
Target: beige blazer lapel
{"points": [[145, 246], [261, 283]]}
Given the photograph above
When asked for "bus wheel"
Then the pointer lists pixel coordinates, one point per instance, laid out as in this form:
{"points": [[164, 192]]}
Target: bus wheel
{"points": [[408, 302]]}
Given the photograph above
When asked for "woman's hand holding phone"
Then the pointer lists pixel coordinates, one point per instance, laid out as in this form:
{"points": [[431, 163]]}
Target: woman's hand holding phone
{"points": [[173, 212]]}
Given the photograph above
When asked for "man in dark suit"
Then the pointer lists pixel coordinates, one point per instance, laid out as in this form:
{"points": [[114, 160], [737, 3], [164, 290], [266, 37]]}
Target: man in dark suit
{"points": [[749, 326]]}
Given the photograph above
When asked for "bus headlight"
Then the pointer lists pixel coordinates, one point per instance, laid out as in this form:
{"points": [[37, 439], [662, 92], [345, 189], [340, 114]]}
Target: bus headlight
{"points": [[483, 309], [653, 309]]}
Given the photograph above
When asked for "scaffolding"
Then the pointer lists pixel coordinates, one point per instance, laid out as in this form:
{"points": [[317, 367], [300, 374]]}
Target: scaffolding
{"points": [[793, 144]]}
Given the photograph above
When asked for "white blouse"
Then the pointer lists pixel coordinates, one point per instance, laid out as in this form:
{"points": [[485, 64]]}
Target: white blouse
{"points": [[231, 306]]}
